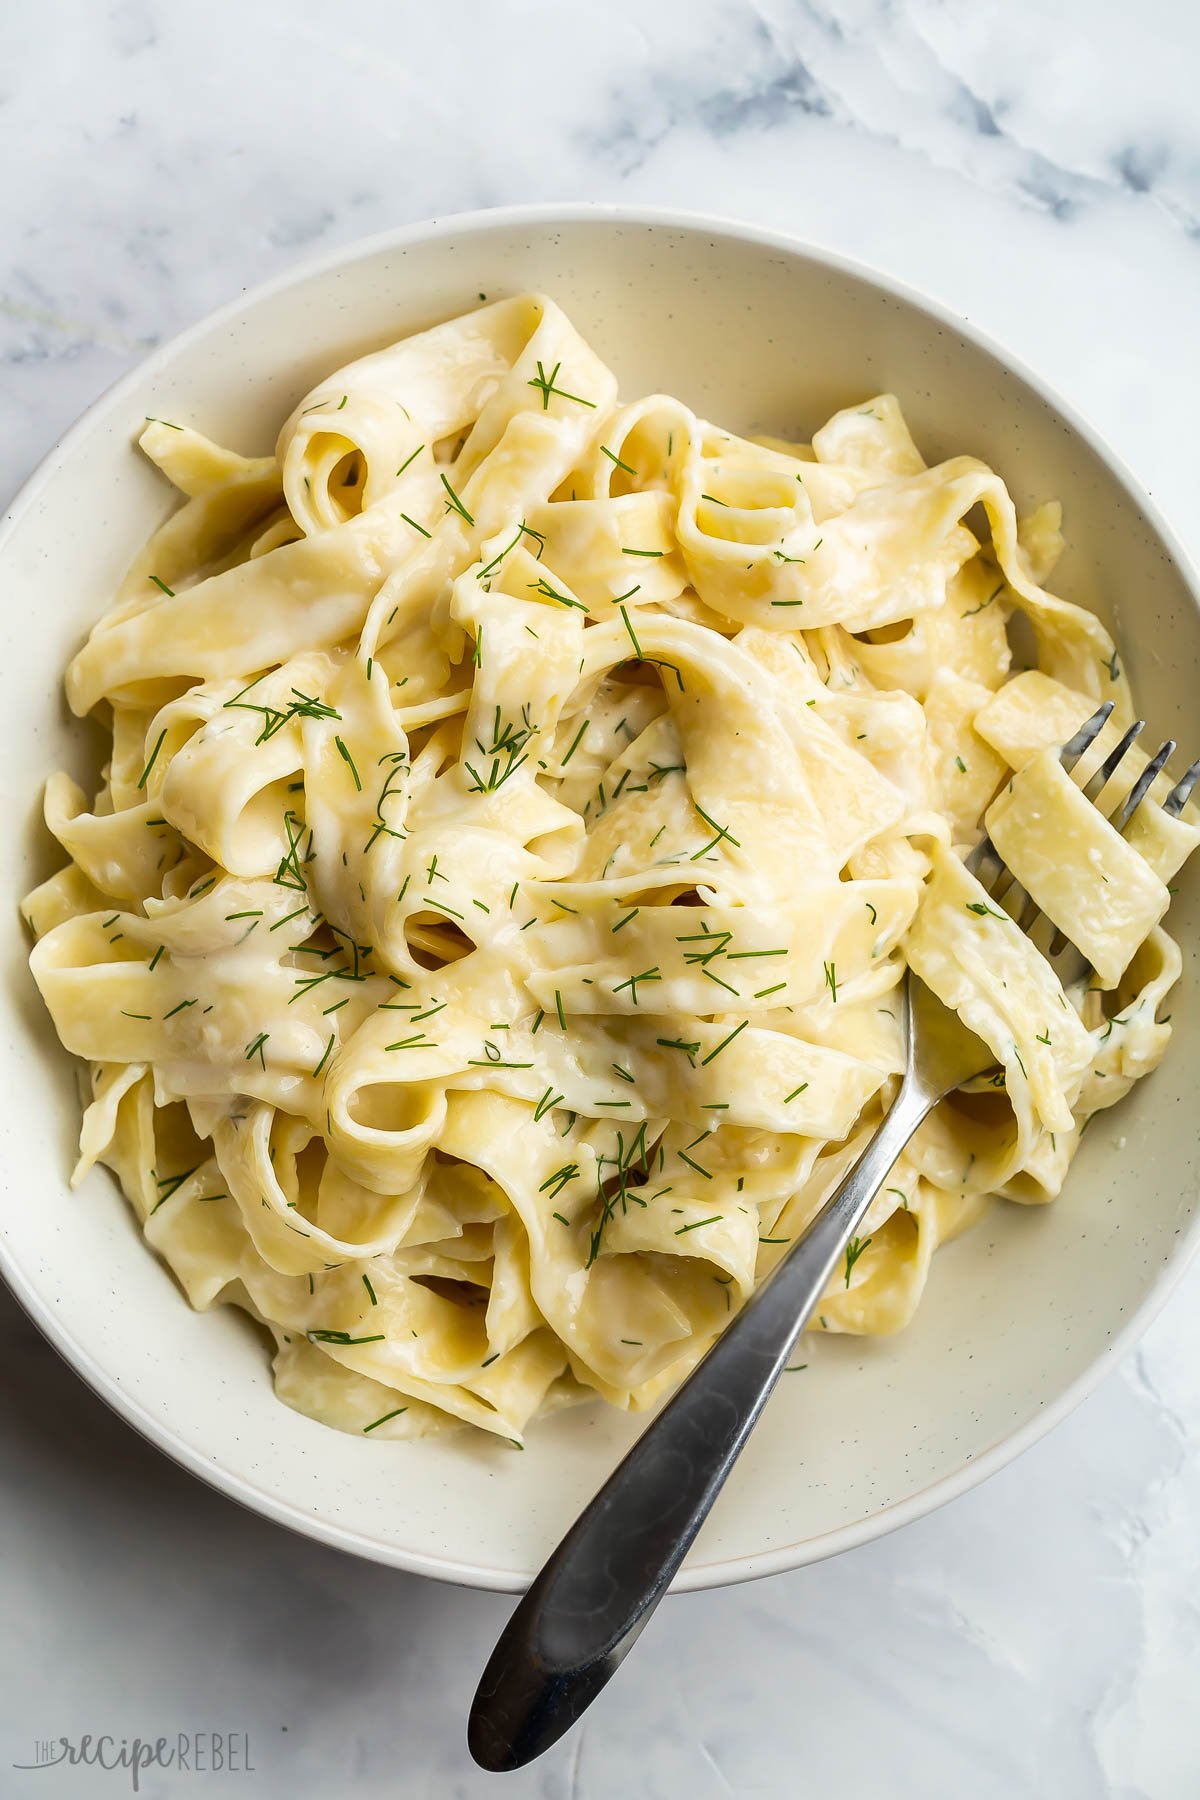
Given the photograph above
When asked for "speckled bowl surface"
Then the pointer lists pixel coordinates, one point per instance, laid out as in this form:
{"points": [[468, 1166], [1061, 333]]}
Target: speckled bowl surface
{"points": [[1021, 1317]]}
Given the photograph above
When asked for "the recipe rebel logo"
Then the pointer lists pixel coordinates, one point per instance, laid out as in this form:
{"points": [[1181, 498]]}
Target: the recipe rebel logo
{"points": [[187, 1752]]}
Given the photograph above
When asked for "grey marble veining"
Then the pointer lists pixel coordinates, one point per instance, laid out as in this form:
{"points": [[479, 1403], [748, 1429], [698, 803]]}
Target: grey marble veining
{"points": [[1038, 168]]}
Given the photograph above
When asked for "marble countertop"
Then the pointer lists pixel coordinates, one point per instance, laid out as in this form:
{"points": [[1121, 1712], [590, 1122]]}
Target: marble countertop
{"points": [[1035, 166]]}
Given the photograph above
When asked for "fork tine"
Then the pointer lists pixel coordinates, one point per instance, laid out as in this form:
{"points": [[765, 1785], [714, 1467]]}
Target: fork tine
{"points": [[994, 874], [1143, 784], [984, 861], [1097, 782], [985, 852], [1133, 800], [1178, 798], [1088, 732]]}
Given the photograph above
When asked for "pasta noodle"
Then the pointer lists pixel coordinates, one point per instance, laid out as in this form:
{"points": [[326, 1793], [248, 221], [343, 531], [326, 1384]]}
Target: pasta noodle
{"points": [[521, 812]]}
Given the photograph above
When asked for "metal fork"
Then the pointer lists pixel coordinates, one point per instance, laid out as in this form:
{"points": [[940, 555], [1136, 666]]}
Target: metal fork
{"points": [[1007, 891], [587, 1607]]}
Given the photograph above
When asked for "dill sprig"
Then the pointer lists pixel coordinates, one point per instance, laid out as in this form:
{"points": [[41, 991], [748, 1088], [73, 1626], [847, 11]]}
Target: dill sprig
{"points": [[542, 586], [399, 765], [854, 1250], [723, 834], [145, 774], [383, 1419], [168, 1185], [625, 620], [614, 458], [289, 874], [349, 762], [454, 504], [343, 1337], [575, 743], [723, 1043], [301, 705], [507, 751], [632, 981], [554, 1184], [546, 386], [630, 1171]]}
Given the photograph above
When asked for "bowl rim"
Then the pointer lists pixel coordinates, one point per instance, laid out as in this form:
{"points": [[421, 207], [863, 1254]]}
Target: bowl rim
{"points": [[726, 1571]]}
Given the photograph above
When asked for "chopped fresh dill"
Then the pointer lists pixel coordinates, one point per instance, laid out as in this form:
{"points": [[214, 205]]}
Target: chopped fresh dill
{"points": [[704, 1061], [723, 833], [546, 386], [145, 774], [454, 504], [170, 1184], [854, 1250], [383, 1419], [983, 604], [342, 1337], [554, 1184], [631, 982], [542, 586], [614, 458], [575, 743]]}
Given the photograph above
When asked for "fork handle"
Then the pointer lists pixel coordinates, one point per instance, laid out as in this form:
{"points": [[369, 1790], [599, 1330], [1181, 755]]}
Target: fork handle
{"points": [[587, 1607]]}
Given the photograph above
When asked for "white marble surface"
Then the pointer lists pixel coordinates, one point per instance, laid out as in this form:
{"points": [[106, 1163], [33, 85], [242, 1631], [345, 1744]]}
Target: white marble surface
{"points": [[1036, 166]]}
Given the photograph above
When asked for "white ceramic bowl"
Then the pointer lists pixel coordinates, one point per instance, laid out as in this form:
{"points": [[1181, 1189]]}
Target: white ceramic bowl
{"points": [[1021, 1317]]}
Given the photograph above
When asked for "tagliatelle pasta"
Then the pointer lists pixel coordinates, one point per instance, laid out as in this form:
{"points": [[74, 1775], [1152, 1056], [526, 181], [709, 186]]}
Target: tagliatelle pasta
{"points": [[521, 812]]}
